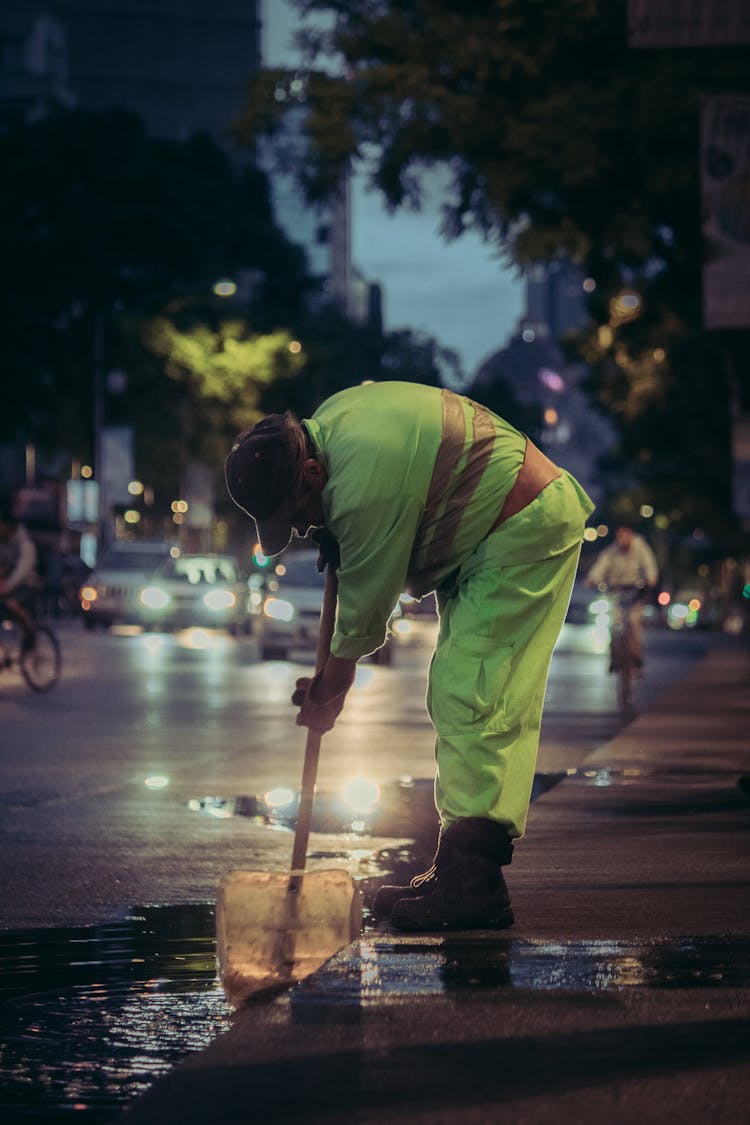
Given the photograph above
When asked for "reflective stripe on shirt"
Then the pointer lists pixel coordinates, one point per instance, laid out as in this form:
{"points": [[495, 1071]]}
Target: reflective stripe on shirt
{"points": [[466, 447]]}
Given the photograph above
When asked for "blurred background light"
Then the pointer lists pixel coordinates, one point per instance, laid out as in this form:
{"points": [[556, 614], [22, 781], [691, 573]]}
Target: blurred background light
{"points": [[361, 794], [156, 781]]}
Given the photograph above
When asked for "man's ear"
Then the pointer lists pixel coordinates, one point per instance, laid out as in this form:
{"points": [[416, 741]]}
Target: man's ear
{"points": [[314, 473]]}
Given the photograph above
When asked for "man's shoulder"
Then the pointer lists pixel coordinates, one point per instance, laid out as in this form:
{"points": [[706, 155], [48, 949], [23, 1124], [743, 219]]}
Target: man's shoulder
{"points": [[392, 416]]}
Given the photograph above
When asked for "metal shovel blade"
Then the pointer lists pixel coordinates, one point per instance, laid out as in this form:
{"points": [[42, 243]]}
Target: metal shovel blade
{"points": [[272, 929]]}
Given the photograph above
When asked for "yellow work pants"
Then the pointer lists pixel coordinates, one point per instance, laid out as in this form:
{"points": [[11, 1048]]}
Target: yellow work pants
{"points": [[499, 623]]}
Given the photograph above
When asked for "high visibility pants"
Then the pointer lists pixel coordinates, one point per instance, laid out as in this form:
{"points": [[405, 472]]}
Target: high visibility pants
{"points": [[498, 626]]}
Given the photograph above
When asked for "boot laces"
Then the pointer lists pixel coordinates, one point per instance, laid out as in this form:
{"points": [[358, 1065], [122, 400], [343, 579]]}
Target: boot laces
{"points": [[424, 877]]}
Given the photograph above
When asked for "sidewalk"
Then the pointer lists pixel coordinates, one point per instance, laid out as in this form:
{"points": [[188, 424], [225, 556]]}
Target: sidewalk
{"points": [[620, 995]]}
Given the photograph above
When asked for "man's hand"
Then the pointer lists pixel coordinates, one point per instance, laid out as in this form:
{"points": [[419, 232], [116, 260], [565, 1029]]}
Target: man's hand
{"points": [[321, 698], [318, 715], [328, 548]]}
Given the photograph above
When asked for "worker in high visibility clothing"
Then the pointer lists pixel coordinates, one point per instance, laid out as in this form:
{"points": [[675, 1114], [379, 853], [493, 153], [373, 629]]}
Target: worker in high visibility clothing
{"points": [[423, 489]]}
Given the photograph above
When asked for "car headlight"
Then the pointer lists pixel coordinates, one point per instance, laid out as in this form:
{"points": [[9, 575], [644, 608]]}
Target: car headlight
{"points": [[154, 597], [278, 609], [219, 599]]}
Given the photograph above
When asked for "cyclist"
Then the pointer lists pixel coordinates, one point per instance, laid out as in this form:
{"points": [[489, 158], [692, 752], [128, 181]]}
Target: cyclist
{"points": [[627, 563], [19, 578]]}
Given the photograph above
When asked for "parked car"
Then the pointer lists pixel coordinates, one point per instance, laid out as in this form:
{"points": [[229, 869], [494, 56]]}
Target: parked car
{"points": [[196, 590], [110, 593], [290, 617]]}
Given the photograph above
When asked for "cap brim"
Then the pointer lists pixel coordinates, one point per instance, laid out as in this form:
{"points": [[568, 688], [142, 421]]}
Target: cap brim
{"points": [[275, 532]]}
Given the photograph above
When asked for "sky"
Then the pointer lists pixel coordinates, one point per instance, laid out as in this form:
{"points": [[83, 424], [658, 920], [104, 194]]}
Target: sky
{"points": [[457, 292]]}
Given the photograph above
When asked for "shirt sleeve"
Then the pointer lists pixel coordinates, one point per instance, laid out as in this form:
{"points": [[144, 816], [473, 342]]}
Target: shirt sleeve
{"points": [[376, 541]]}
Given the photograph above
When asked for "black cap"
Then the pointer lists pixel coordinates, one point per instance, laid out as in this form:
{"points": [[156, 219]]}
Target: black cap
{"points": [[259, 479]]}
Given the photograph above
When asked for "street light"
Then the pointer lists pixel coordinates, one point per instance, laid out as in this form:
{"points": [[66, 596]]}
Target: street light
{"points": [[626, 306], [224, 287]]}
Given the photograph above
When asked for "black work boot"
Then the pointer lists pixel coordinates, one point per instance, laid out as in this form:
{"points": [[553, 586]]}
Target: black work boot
{"points": [[464, 888], [388, 895]]}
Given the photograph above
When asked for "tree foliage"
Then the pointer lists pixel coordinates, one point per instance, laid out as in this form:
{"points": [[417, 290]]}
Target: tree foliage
{"points": [[560, 141], [555, 133]]}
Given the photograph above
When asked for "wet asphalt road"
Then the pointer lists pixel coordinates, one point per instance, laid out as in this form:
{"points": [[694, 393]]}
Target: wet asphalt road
{"points": [[120, 787], [125, 795]]}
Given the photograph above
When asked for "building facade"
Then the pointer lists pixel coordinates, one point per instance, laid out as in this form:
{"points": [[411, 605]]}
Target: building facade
{"points": [[182, 65]]}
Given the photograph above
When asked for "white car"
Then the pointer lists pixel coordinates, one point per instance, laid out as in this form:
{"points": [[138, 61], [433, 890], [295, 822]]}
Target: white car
{"points": [[196, 590], [110, 593]]}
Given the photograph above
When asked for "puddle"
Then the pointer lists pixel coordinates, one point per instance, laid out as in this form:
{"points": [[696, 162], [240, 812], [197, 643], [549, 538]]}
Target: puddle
{"points": [[92, 1016], [405, 807], [383, 967], [401, 808]]}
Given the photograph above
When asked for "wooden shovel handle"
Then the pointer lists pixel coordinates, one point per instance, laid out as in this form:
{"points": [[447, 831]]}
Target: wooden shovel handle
{"points": [[327, 619], [312, 747]]}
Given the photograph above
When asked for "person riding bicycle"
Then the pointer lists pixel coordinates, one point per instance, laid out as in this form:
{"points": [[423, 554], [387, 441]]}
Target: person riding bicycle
{"points": [[19, 578], [627, 563]]}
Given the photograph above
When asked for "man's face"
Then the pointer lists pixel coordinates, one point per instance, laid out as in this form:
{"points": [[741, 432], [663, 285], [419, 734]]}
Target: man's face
{"points": [[307, 510], [624, 537]]}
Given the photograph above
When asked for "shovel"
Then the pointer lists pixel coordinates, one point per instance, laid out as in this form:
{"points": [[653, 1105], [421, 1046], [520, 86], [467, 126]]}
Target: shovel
{"points": [[273, 929]]}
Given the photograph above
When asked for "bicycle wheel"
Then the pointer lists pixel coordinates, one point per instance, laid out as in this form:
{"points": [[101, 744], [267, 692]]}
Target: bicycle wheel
{"points": [[40, 665]]}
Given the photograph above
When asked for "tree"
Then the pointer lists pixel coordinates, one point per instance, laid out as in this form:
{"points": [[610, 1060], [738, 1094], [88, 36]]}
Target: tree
{"points": [[415, 357], [561, 141]]}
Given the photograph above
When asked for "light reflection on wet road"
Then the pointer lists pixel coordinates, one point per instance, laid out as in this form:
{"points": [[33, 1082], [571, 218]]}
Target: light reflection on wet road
{"points": [[92, 1017]]}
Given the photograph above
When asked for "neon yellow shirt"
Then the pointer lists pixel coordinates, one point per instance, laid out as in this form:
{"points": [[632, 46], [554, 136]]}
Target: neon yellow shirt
{"points": [[416, 477]]}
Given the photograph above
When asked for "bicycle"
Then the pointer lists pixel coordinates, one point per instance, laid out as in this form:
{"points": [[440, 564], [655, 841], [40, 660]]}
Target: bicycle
{"points": [[622, 658], [38, 657]]}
